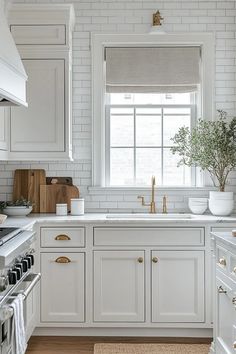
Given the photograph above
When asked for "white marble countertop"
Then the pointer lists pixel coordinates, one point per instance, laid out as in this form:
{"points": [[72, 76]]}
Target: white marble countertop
{"points": [[225, 237], [25, 222]]}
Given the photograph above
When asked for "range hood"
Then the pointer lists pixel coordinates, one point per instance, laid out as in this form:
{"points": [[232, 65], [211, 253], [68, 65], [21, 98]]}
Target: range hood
{"points": [[12, 73]]}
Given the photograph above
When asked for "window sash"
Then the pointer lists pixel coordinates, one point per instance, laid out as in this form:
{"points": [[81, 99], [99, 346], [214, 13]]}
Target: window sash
{"points": [[108, 146]]}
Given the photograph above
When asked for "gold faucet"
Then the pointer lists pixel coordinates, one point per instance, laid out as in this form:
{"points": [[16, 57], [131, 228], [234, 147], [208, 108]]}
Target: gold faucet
{"points": [[152, 204]]}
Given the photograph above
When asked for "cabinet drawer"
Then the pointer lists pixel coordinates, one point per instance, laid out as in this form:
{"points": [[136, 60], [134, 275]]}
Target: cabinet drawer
{"points": [[221, 258], [39, 34], [62, 237], [121, 236], [232, 265]]}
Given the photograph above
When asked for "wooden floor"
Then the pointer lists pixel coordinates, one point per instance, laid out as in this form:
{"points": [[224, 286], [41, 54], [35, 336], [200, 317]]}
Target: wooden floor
{"points": [[84, 345]]}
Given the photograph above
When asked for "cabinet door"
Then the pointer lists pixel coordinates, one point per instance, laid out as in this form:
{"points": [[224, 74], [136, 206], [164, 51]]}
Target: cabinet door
{"points": [[119, 286], [3, 129], [62, 287], [40, 127], [178, 286], [225, 325]]}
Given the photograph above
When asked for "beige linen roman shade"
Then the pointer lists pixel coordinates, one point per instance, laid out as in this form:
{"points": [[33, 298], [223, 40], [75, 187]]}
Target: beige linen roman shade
{"points": [[156, 69]]}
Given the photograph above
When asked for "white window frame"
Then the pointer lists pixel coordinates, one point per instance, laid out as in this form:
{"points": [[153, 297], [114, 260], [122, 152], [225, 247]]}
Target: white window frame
{"points": [[102, 41]]}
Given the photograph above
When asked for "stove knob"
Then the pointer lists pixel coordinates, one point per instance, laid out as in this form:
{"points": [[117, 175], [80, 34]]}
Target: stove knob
{"points": [[31, 256], [3, 282], [25, 265], [20, 266], [12, 277], [18, 272], [28, 259]]}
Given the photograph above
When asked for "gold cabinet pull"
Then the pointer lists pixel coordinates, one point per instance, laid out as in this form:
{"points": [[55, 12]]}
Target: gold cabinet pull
{"points": [[234, 269], [62, 237], [154, 259], [63, 259], [140, 259], [222, 262], [221, 290]]}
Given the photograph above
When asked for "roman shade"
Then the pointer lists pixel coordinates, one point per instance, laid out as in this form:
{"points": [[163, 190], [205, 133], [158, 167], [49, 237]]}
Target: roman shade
{"points": [[155, 69]]}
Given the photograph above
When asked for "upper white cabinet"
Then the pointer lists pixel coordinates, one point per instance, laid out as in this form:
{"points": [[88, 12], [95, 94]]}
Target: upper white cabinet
{"points": [[43, 34], [3, 133]]}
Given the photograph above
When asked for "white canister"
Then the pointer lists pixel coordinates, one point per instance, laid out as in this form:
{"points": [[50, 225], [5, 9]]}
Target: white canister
{"points": [[61, 209], [77, 206]]}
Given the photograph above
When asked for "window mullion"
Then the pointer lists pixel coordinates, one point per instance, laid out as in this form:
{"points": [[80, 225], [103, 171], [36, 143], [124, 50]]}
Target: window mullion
{"points": [[135, 145], [162, 144]]}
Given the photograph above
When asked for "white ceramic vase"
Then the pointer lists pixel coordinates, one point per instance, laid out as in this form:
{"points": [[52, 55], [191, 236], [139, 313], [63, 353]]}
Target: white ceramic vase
{"points": [[221, 203]]}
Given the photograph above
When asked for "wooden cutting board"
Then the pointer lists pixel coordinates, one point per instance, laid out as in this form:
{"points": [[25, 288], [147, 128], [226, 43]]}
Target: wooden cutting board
{"points": [[59, 180], [26, 185], [52, 194]]}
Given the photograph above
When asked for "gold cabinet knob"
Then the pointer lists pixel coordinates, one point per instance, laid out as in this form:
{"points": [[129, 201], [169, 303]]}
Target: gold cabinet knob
{"points": [[234, 345], [140, 259], [62, 237], [222, 262], [63, 259], [221, 290], [234, 269], [154, 259]]}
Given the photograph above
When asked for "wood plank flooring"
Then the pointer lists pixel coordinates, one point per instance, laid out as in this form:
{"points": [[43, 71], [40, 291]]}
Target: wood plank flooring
{"points": [[84, 345]]}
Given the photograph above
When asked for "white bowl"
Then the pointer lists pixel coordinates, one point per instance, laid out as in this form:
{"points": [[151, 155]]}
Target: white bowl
{"points": [[198, 209], [198, 200], [17, 210], [221, 195], [2, 218], [221, 207]]}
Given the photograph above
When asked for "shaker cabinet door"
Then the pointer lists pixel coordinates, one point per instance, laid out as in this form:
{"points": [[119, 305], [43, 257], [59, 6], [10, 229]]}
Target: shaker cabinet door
{"points": [[40, 127], [178, 286], [62, 287], [119, 286]]}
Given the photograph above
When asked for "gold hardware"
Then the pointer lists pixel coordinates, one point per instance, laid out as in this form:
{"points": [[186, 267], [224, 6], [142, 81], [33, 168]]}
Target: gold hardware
{"points": [[63, 259], [164, 205], [152, 204], [157, 18], [140, 259], [234, 269], [222, 262], [234, 345], [234, 301], [154, 259], [62, 237], [221, 290]]}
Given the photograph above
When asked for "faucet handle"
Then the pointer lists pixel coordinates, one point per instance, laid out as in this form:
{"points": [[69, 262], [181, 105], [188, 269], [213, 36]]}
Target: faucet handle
{"points": [[142, 199]]}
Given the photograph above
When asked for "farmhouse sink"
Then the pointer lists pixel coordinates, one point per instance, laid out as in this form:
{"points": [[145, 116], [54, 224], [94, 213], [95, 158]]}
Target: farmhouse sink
{"points": [[149, 216]]}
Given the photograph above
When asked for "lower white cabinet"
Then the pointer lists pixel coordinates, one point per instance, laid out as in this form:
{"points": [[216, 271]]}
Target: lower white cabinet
{"points": [[62, 287], [119, 286], [178, 286]]}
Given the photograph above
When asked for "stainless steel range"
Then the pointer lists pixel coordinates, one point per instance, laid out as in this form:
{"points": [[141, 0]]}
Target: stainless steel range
{"points": [[16, 276]]}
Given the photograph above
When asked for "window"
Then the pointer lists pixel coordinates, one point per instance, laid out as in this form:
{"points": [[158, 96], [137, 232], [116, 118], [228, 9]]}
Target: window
{"points": [[134, 116], [138, 139]]}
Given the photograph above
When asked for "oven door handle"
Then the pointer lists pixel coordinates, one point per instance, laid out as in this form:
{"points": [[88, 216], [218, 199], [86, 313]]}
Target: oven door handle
{"points": [[34, 279]]}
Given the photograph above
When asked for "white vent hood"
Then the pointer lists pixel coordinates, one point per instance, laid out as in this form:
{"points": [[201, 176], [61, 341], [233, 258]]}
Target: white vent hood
{"points": [[12, 73]]}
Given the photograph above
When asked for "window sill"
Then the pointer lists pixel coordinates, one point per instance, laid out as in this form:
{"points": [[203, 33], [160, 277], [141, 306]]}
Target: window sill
{"points": [[137, 190]]}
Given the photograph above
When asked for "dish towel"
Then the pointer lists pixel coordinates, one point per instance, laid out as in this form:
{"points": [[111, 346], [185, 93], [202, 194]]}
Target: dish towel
{"points": [[18, 327]]}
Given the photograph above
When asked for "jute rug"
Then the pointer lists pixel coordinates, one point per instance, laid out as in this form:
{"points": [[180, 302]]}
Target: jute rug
{"points": [[159, 348]]}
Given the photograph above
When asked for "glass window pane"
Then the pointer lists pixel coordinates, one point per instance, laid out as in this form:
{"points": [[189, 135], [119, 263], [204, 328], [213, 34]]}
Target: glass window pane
{"points": [[171, 125], [121, 130], [148, 130], [148, 163], [148, 110], [121, 167], [176, 111], [173, 175]]}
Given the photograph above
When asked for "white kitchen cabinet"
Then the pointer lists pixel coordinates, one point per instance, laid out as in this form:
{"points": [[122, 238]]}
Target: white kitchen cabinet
{"points": [[62, 287], [40, 126], [178, 286], [3, 133], [119, 286], [43, 131]]}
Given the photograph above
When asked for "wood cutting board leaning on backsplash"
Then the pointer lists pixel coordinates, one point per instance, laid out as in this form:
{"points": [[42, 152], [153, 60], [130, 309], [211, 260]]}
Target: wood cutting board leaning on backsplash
{"points": [[52, 194], [27, 185]]}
